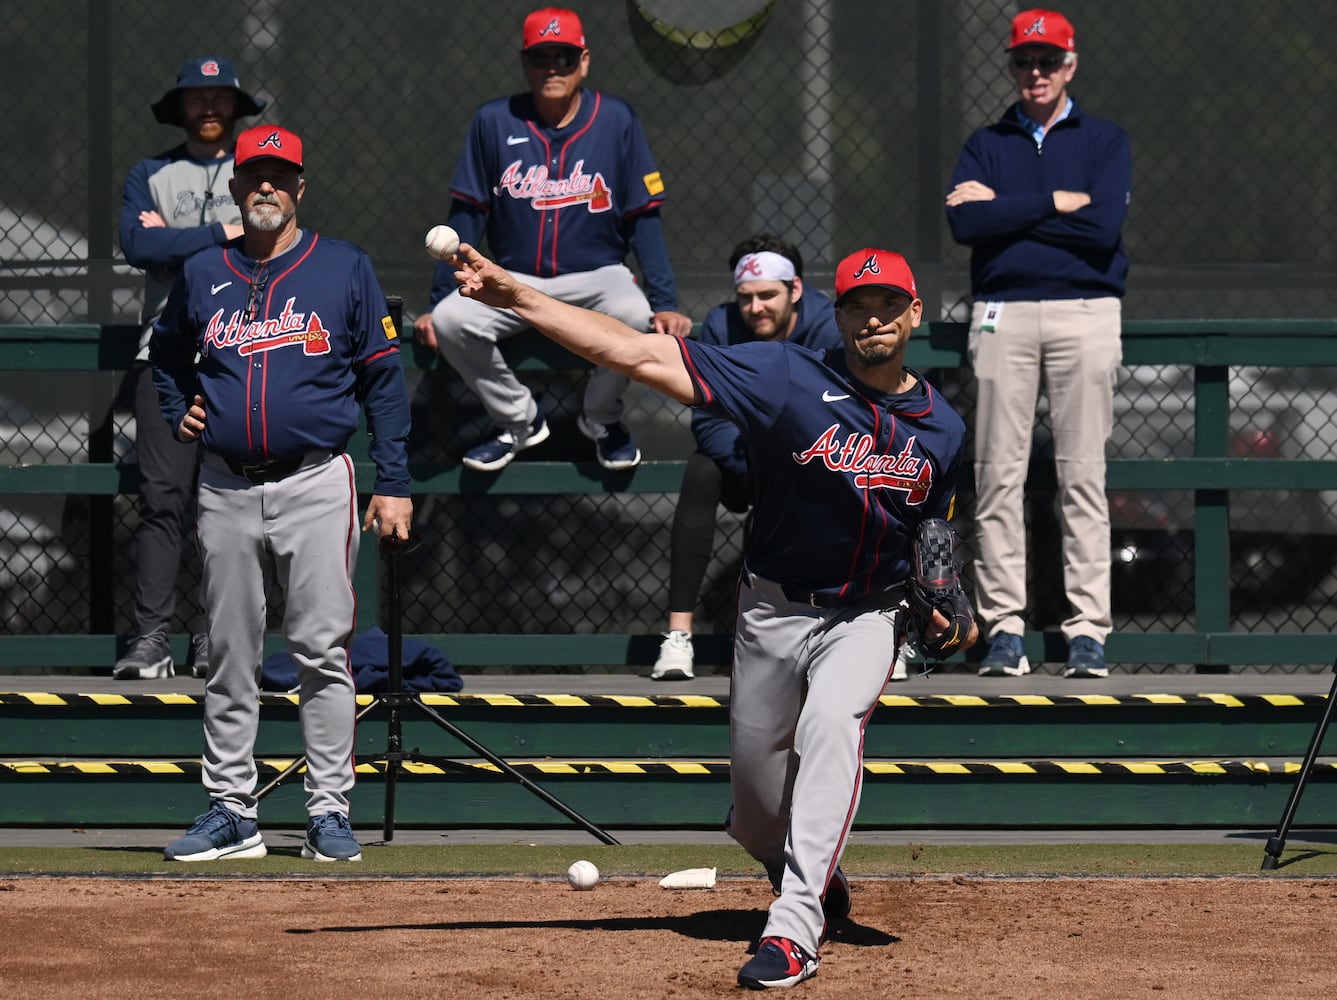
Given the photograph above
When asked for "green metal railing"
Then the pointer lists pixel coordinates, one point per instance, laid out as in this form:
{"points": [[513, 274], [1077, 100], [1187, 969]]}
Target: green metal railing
{"points": [[1210, 347]]}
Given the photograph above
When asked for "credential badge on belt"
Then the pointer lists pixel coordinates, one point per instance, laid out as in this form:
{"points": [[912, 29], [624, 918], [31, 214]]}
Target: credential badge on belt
{"points": [[993, 312]]}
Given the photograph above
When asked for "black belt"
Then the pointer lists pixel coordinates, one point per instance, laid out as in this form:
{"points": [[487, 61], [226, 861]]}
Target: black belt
{"points": [[825, 599], [275, 468]]}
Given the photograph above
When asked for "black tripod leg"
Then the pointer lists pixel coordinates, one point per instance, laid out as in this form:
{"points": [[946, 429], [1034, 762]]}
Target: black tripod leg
{"points": [[1277, 842], [516, 776], [396, 697]]}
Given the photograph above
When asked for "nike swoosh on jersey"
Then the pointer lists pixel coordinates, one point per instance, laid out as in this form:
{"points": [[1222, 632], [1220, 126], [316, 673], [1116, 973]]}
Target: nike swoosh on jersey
{"points": [[215, 289], [515, 140], [828, 397]]}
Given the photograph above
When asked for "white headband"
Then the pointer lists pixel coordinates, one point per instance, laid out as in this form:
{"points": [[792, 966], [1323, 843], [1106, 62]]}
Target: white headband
{"points": [[764, 266]]}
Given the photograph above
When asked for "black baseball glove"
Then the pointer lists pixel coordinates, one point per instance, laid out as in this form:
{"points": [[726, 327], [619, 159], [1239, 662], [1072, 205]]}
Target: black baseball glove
{"points": [[935, 584]]}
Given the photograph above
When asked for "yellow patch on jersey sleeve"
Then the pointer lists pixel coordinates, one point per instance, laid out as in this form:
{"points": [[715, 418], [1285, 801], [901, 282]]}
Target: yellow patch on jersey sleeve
{"points": [[951, 507], [654, 183], [390, 332]]}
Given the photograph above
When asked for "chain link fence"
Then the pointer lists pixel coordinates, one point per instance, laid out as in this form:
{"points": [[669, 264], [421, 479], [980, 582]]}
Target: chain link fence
{"points": [[835, 124]]}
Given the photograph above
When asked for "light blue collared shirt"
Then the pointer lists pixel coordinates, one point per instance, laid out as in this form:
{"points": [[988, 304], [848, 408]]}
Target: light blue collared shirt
{"points": [[1037, 130]]}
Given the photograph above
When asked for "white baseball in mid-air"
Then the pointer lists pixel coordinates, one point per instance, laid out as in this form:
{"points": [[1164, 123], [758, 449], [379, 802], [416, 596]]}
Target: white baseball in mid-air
{"points": [[442, 242], [582, 875]]}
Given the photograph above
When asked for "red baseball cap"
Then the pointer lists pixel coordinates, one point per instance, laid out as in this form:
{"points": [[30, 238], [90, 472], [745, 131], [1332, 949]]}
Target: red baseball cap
{"points": [[870, 267], [553, 26], [269, 142], [1043, 27]]}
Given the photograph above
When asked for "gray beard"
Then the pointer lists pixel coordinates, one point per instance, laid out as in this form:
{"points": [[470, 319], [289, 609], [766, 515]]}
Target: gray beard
{"points": [[267, 222]]}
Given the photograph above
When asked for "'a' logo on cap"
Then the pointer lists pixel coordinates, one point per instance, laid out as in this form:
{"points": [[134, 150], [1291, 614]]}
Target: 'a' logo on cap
{"points": [[1037, 27], [209, 68], [551, 28], [869, 267], [270, 140]]}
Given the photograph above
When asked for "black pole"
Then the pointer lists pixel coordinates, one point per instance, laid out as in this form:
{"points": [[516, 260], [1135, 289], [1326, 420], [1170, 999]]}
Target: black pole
{"points": [[1277, 842], [394, 754]]}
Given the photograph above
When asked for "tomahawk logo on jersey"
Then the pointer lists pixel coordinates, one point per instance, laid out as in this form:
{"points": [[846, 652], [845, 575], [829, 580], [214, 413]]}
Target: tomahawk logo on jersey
{"points": [[569, 189], [825, 442], [273, 338]]}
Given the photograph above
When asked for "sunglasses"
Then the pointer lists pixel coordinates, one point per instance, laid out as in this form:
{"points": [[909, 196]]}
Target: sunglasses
{"points": [[565, 57], [256, 294], [1046, 64]]}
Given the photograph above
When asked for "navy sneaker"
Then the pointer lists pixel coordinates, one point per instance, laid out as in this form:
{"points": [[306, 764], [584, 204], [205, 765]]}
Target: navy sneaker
{"points": [[1005, 658], [778, 962], [836, 902], [1086, 658], [219, 833], [330, 838], [612, 444], [497, 451]]}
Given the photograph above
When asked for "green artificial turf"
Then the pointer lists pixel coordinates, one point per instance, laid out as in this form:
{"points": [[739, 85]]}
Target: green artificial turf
{"points": [[654, 861]]}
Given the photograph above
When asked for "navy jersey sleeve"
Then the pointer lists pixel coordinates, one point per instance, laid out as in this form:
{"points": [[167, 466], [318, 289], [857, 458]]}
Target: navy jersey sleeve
{"points": [[380, 380], [470, 181], [642, 184], [715, 436], [746, 384]]}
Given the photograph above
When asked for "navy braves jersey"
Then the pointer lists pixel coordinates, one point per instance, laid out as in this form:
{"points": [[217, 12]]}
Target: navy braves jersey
{"points": [[558, 198], [826, 450], [287, 351], [814, 327], [192, 197]]}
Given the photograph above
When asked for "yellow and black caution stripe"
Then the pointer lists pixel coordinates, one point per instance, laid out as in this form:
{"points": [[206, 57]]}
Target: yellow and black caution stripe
{"points": [[36, 699], [17, 770]]}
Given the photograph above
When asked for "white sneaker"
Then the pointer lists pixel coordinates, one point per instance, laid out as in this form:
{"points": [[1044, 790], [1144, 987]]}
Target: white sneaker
{"points": [[901, 671], [675, 657]]}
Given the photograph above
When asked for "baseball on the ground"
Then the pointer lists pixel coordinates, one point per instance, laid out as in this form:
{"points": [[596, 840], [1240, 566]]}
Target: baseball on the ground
{"points": [[442, 242], [582, 875]]}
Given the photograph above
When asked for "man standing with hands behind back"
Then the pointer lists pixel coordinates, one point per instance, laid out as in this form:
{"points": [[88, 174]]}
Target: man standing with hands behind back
{"points": [[1040, 198], [562, 179]]}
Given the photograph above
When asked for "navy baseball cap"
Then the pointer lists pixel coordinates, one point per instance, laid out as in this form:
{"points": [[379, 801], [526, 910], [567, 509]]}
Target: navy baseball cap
{"points": [[204, 71]]}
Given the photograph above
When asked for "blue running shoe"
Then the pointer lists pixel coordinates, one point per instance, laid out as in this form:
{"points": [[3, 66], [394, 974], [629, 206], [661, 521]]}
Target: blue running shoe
{"points": [[219, 833], [497, 451], [778, 962], [613, 445], [1086, 658], [1005, 658], [330, 838]]}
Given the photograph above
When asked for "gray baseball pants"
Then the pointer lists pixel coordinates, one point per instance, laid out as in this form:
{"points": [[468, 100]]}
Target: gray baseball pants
{"points": [[468, 334], [805, 682], [301, 532]]}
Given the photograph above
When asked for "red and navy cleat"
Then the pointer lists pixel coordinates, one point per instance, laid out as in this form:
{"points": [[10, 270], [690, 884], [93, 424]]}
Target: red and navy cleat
{"points": [[778, 962]]}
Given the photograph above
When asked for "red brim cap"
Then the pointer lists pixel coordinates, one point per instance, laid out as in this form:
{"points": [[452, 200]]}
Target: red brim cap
{"points": [[1043, 27], [269, 142], [875, 268], [553, 26]]}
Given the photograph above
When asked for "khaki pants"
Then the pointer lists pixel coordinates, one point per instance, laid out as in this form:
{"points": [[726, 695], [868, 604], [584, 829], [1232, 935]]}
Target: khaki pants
{"points": [[1074, 345]]}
